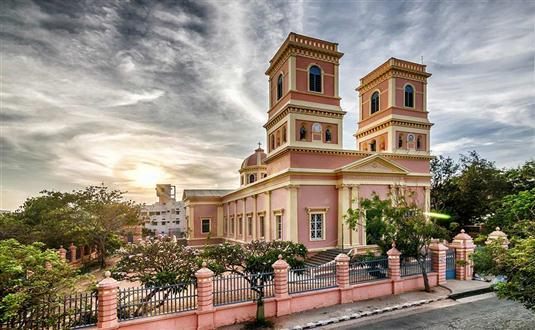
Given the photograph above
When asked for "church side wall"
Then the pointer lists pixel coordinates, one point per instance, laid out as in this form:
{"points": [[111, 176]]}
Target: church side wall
{"points": [[321, 199], [204, 211]]}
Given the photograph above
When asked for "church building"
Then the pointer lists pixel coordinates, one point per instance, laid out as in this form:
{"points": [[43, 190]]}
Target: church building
{"points": [[301, 187]]}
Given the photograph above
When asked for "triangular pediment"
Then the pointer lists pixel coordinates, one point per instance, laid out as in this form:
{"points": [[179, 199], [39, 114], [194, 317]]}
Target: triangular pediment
{"points": [[373, 164]]}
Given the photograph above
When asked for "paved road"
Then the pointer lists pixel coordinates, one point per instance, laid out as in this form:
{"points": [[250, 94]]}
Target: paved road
{"points": [[487, 313]]}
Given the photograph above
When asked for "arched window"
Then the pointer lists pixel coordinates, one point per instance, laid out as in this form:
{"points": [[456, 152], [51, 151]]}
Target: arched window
{"points": [[375, 102], [400, 141], [251, 178], [328, 135], [314, 79], [409, 96], [279, 87], [418, 142], [373, 146]]}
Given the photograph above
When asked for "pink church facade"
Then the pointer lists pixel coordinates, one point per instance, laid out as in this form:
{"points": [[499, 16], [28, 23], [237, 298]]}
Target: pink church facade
{"points": [[301, 188]]}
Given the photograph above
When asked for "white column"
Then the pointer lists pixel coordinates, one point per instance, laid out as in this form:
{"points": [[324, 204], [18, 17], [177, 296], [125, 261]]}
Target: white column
{"points": [[427, 200], [343, 206], [268, 235], [220, 221], [255, 218], [292, 219], [236, 219], [355, 234], [244, 220]]}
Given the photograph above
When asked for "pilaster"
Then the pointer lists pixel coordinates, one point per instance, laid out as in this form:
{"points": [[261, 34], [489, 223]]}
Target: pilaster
{"points": [[220, 224], [343, 205], [255, 218], [244, 220], [268, 234], [292, 220], [356, 235]]}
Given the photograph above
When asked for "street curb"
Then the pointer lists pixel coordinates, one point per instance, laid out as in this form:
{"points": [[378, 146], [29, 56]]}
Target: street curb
{"points": [[363, 314], [470, 293]]}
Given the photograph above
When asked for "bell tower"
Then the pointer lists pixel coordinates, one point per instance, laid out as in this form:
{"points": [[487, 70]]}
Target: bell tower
{"points": [[304, 104], [393, 114]]}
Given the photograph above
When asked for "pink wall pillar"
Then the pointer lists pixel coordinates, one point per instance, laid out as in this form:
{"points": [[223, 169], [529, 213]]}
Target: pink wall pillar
{"points": [[280, 281], [342, 278], [205, 298], [72, 248], [394, 268], [438, 257], [464, 247], [62, 253], [107, 303]]}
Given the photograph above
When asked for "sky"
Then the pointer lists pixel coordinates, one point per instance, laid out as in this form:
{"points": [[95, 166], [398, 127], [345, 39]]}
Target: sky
{"points": [[130, 93]]}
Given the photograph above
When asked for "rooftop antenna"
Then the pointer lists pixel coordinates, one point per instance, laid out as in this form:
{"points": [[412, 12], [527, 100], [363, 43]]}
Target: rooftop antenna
{"points": [[422, 59]]}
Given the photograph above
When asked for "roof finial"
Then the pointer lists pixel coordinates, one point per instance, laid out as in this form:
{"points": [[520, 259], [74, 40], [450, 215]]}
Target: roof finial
{"points": [[259, 145]]}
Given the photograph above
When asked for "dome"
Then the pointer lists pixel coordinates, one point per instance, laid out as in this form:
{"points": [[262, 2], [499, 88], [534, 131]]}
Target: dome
{"points": [[255, 159]]}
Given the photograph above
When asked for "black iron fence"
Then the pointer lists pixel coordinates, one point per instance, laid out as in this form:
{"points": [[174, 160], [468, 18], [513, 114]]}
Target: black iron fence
{"points": [[69, 312], [368, 270], [151, 301], [312, 278], [412, 267], [236, 288]]}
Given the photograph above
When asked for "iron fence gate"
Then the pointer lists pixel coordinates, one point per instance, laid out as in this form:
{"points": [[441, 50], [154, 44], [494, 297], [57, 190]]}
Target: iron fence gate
{"points": [[450, 264]]}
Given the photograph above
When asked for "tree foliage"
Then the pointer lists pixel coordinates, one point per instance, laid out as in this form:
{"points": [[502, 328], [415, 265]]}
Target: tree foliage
{"points": [[253, 262], [166, 266], [397, 219], [95, 215], [157, 263], [31, 278], [511, 210], [518, 266], [473, 190]]}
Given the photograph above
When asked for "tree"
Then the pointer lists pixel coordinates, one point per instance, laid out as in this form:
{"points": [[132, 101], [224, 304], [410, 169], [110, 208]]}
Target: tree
{"points": [[162, 265], [253, 262], [95, 215], [468, 189], [512, 209], [518, 266], [32, 279], [107, 214], [402, 222], [376, 229], [521, 178]]}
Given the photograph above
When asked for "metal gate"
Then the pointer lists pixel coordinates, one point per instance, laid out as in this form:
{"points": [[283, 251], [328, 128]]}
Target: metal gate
{"points": [[450, 264]]}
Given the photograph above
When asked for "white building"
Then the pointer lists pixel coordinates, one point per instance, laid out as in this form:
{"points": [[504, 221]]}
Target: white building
{"points": [[167, 216]]}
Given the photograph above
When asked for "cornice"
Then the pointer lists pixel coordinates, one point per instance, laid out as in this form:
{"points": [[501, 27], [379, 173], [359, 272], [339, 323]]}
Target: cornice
{"points": [[342, 152], [307, 47], [290, 108], [393, 122], [393, 68]]}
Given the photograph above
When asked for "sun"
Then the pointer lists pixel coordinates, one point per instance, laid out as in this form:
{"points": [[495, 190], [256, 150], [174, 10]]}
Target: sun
{"points": [[146, 175]]}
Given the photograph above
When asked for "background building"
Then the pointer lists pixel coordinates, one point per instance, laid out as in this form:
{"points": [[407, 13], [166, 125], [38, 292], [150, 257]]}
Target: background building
{"points": [[167, 215]]}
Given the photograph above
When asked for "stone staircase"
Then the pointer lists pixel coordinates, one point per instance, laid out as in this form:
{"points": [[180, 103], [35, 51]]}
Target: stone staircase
{"points": [[324, 257]]}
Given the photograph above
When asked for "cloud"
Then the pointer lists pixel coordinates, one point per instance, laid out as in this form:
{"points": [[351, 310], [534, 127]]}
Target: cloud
{"points": [[110, 90]]}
